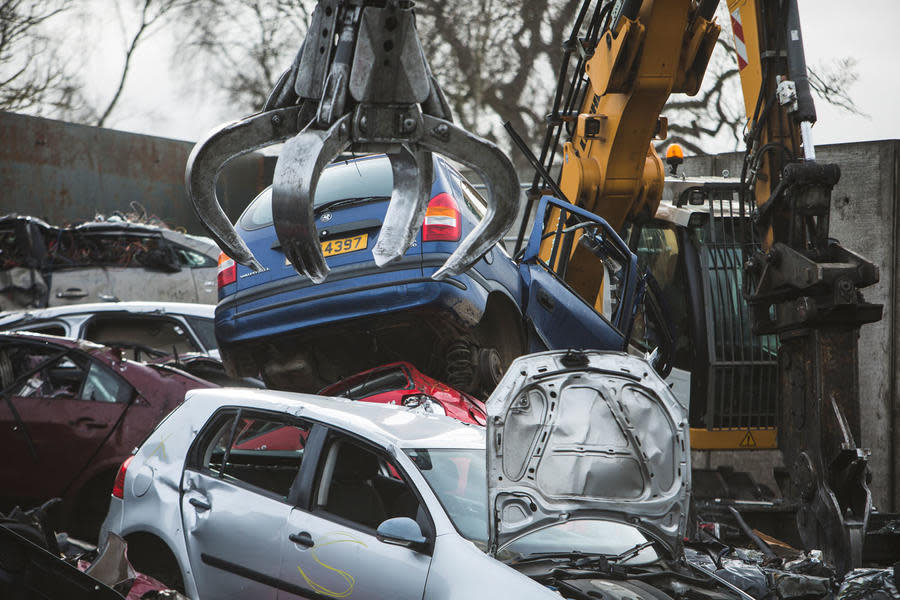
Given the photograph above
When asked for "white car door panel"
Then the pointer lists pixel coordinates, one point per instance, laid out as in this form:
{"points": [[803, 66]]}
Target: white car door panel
{"points": [[232, 535], [332, 550], [346, 562]]}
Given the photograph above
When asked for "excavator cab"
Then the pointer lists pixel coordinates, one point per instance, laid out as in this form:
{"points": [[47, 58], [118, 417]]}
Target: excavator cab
{"points": [[695, 248]]}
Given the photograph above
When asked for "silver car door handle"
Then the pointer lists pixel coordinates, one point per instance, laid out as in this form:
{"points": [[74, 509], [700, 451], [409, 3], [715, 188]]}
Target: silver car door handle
{"points": [[303, 538], [200, 504], [72, 293]]}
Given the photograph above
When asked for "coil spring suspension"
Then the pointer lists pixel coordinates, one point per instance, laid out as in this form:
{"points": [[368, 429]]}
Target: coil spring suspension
{"points": [[461, 366]]}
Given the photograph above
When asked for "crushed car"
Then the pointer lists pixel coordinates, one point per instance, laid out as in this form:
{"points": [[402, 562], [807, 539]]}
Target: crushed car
{"points": [[37, 562], [70, 412], [45, 265], [402, 384], [145, 328], [578, 487], [464, 330]]}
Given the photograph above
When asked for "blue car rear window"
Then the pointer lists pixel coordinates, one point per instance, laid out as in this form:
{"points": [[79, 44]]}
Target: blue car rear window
{"points": [[364, 178]]}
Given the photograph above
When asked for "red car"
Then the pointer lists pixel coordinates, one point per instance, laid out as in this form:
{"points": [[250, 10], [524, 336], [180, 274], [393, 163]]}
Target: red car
{"points": [[71, 411], [402, 384]]}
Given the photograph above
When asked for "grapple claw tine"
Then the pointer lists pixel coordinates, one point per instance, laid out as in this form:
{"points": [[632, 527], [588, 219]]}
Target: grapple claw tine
{"points": [[499, 176], [413, 174], [297, 171], [208, 158]]}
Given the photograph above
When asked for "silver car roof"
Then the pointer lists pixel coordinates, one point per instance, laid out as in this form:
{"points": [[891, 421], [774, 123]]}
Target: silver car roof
{"points": [[137, 307], [386, 424]]}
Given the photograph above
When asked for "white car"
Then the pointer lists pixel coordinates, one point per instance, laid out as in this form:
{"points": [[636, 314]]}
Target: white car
{"points": [[259, 494], [157, 326]]}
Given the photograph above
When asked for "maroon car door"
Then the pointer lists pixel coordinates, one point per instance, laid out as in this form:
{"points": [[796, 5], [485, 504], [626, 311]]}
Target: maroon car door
{"points": [[55, 419]]}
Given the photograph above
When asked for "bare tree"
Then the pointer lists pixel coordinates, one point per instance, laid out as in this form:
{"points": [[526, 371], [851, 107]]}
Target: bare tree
{"points": [[244, 45], [33, 71], [497, 60], [150, 13], [716, 116]]}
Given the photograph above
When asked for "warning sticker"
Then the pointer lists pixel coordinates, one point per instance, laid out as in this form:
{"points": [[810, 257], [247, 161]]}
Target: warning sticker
{"points": [[748, 441]]}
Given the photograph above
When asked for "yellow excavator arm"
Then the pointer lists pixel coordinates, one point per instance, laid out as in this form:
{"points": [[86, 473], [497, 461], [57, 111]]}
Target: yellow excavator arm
{"points": [[800, 284], [649, 51], [632, 56]]}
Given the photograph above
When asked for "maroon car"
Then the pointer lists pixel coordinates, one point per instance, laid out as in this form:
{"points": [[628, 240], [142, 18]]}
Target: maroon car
{"points": [[401, 383], [70, 412]]}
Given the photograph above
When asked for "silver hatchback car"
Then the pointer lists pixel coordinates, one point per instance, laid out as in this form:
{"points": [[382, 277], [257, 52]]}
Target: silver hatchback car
{"points": [[261, 494]]}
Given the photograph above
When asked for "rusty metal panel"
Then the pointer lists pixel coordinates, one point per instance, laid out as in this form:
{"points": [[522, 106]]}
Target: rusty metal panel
{"points": [[63, 173]]}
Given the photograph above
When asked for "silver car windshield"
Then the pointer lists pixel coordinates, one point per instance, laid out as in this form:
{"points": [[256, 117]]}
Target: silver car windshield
{"points": [[459, 480]]}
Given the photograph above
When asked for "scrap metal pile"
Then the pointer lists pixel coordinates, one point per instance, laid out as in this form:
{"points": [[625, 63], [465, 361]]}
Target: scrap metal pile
{"points": [[30, 242], [793, 576], [39, 262]]}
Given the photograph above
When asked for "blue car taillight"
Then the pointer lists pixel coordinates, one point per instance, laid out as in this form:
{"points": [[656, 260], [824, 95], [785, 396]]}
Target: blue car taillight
{"points": [[442, 220], [227, 272]]}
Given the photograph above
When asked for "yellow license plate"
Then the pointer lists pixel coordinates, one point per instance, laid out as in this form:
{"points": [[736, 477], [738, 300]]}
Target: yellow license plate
{"points": [[342, 245]]}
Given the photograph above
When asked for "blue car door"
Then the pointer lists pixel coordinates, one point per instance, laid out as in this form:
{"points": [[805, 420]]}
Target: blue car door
{"points": [[596, 316]]}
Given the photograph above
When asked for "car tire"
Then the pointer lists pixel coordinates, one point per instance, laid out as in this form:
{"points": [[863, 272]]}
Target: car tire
{"points": [[490, 367]]}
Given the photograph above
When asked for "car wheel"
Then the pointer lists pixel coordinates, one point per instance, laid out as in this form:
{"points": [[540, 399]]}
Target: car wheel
{"points": [[490, 368]]}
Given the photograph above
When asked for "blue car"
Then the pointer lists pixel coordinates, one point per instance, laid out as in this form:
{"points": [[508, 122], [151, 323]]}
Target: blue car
{"points": [[464, 330]]}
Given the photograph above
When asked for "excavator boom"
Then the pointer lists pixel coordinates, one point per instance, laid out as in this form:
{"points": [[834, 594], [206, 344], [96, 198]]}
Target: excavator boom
{"points": [[802, 286]]}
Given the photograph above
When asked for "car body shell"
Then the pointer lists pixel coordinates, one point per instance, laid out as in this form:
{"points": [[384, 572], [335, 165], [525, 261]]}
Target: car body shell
{"points": [[261, 309], [395, 382], [277, 321], [45, 265], [77, 441], [190, 326], [157, 470]]}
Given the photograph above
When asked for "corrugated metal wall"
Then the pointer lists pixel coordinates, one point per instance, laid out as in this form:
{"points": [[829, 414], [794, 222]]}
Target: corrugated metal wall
{"points": [[62, 172]]}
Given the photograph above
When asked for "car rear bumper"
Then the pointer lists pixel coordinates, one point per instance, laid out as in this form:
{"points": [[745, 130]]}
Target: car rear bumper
{"points": [[292, 305]]}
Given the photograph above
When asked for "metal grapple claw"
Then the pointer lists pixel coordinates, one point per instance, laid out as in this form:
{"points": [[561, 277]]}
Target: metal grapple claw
{"points": [[499, 176], [364, 86], [413, 171], [293, 189], [210, 155]]}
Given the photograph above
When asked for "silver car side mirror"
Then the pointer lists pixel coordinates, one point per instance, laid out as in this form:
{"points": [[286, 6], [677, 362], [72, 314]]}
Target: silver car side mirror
{"points": [[401, 531]]}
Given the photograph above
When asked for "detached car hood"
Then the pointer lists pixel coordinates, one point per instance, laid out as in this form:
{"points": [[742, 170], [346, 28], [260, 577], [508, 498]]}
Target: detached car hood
{"points": [[574, 435]]}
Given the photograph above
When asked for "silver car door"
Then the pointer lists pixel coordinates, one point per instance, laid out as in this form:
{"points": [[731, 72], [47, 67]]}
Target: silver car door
{"points": [[78, 285], [330, 546], [235, 501]]}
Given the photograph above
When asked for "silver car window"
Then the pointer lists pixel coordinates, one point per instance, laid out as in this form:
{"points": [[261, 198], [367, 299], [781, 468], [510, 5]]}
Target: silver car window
{"points": [[261, 450], [362, 487]]}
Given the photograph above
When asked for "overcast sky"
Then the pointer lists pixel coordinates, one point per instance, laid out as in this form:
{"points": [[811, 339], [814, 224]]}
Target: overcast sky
{"points": [[156, 102]]}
